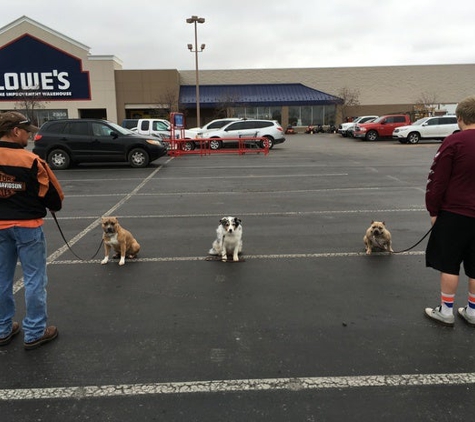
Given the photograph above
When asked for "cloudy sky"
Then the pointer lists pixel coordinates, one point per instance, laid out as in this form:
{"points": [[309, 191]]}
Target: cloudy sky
{"points": [[250, 34]]}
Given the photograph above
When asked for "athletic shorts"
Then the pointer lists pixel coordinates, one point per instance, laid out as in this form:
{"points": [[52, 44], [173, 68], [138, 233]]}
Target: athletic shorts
{"points": [[451, 243]]}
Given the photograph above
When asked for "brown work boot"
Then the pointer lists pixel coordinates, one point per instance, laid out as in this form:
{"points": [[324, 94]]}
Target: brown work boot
{"points": [[15, 330], [50, 334]]}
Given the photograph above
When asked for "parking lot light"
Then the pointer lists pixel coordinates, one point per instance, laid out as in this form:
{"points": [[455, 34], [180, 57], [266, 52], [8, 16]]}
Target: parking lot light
{"points": [[195, 20]]}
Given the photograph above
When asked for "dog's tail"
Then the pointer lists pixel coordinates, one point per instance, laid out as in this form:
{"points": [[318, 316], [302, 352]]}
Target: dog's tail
{"points": [[212, 251]]}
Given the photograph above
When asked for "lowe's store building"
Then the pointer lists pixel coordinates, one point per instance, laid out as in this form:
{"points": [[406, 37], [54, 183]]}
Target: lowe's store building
{"points": [[48, 75]]}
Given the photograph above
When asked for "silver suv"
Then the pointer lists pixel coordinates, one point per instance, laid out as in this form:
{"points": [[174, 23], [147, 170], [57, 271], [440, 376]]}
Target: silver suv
{"points": [[229, 134], [438, 127]]}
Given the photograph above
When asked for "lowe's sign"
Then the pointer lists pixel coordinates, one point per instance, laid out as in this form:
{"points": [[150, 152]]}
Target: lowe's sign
{"points": [[31, 68]]}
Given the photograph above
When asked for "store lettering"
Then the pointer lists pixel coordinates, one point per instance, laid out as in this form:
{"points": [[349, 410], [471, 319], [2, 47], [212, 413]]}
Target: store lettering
{"points": [[53, 80]]}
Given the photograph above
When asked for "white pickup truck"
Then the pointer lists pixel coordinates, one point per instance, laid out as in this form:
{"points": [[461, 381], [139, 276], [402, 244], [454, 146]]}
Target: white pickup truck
{"points": [[162, 129], [346, 129]]}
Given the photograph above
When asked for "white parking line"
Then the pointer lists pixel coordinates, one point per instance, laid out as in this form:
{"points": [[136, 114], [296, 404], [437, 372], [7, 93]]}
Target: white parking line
{"points": [[254, 214], [18, 285], [226, 386], [244, 385], [221, 193], [246, 257]]}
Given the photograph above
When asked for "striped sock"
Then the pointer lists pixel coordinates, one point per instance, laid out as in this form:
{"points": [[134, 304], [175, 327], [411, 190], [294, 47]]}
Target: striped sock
{"points": [[471, 304], [447, 301]]}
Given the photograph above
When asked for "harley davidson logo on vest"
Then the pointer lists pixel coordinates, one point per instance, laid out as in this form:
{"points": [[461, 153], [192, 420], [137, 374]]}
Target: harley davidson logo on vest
{"points": [[9, 187]]}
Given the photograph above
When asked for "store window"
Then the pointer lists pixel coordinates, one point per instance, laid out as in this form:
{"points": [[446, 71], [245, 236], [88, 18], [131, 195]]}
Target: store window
{"points": [[265, 113], [312, 115], [45, 115]]}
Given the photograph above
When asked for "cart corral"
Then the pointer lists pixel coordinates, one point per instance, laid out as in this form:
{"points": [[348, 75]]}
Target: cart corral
{"points": [[178, 144]]}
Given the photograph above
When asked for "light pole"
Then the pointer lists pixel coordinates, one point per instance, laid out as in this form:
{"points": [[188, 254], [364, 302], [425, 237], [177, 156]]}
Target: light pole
{"points": [[195, 20]]}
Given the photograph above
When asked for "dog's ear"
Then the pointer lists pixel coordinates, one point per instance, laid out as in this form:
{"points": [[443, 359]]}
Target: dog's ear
{"points": [[372, 221], [237, 221], [384, 224], [223, 221]]}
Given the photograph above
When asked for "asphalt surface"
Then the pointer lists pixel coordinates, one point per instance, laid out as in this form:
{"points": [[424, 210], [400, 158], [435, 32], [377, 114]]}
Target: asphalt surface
{"points": [[306, 328]]}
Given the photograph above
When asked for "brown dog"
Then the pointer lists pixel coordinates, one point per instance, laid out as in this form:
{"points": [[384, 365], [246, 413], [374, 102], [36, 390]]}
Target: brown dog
{"points": [[377, 236], [117, 238]]}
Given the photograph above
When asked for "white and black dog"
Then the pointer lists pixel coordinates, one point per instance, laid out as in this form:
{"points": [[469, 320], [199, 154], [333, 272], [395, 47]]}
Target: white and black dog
{"points": [[229, 239]]}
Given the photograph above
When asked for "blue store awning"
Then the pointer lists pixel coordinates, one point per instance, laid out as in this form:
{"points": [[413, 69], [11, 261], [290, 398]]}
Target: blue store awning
{"points": [[258, 95]]}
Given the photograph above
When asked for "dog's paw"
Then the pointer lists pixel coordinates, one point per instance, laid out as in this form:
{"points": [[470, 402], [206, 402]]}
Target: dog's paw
{"points": [[105, 260], [368, 251], [235, 258], [122, 261], [224, 258]]}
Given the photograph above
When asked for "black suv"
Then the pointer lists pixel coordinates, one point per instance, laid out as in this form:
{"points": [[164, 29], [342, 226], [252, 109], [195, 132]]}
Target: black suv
{"points": [[72, 141]]}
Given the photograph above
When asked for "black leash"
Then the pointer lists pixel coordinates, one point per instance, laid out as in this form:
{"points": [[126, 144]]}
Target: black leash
{"points": [[413, 246], [210, 258], [67, 244]]}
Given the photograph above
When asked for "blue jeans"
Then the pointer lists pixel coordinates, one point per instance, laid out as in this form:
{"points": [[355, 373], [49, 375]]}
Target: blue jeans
{"points": [[29, 246]]}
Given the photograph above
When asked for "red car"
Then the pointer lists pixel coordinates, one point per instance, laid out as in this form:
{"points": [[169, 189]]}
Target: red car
{"points": [[382, 127]]}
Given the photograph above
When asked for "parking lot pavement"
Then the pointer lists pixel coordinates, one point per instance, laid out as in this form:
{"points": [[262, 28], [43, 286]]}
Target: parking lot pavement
{"points": [[306, 328]]}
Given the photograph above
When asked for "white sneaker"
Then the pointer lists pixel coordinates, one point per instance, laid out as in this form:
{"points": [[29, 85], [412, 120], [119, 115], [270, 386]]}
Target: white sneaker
{"points": [[436, 315], [468, 318]]}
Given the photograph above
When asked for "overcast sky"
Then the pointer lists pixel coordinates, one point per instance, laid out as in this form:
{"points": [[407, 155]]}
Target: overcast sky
{"points": [[250, 34]]}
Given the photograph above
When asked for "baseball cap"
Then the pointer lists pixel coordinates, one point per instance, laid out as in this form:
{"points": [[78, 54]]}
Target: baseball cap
{"points": [[11, 119]]}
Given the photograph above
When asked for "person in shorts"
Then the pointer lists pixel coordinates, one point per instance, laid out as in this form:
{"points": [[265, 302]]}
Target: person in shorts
{"points": [[450, 200]]}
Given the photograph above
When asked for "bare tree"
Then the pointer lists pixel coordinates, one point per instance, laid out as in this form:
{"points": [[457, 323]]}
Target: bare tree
{"points": [[426, 104], [166, 103], [29, 101], [226, 105], [350, 98]]}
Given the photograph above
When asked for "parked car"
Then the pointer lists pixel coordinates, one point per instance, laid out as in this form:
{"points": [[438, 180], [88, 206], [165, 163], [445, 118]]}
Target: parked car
{"points": [[130, 123], [72, 141], [269, 129], [382, 127], [438, 127], [161, 129], [346, 129], [350, 132], [214, 124]]}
